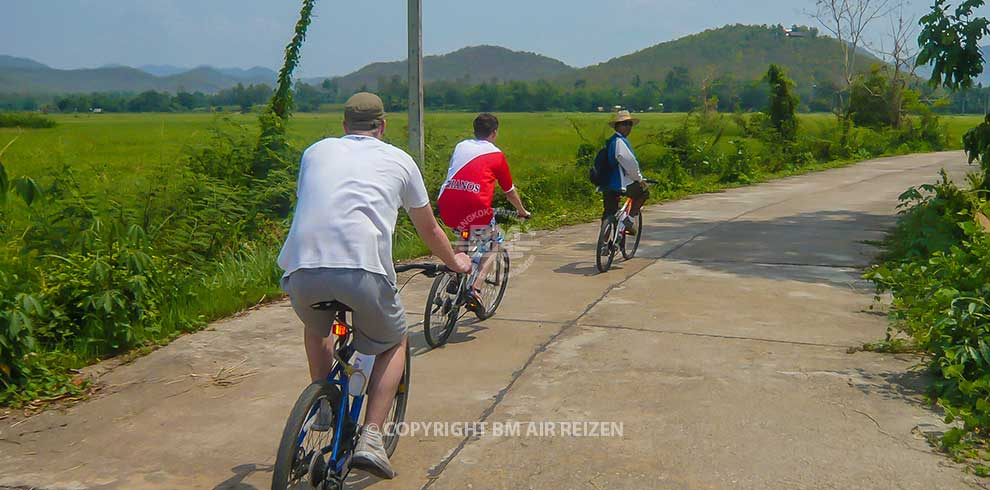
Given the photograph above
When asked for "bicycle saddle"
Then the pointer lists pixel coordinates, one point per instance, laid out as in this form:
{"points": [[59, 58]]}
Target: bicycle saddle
{"points": [[330, 306]]}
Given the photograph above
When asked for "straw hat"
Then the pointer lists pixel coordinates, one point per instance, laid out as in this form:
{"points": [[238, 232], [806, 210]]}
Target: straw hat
{"points": [[622, 116]]}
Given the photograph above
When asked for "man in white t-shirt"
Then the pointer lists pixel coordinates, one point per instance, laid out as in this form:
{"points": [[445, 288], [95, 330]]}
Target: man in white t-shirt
{"points": [[339, 248]]}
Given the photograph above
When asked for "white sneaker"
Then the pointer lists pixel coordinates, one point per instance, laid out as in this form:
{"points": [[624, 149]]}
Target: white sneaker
{"points": [[324, 417], [370, 455]]}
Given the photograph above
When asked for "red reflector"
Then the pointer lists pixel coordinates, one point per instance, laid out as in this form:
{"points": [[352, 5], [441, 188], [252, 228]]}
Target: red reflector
{"points": [[339, 329], [465, 235]]}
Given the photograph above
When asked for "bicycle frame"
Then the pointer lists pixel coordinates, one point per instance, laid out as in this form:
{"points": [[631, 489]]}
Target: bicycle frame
{"points": [[484, 246], [620, 218], [349, 411]]}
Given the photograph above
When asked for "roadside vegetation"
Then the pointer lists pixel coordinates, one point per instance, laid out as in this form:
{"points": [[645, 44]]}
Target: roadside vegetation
{"points": [[937, 260]]}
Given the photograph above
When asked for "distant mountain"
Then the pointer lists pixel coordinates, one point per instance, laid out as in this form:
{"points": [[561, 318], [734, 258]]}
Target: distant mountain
{"points": [[162, 70], [21, 75], [742, 51], [250, 74], [14, 62], [474, 64]]}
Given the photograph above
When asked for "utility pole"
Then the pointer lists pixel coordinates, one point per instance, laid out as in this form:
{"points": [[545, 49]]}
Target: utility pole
{"points": [[415, 60]]}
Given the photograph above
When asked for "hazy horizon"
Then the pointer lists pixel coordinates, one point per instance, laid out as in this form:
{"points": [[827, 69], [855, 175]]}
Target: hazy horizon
{"points": [[249, 33]]}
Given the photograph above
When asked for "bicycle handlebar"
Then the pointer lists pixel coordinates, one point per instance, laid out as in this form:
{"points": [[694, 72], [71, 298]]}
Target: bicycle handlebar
{"points": [[508, 213], [427, 269]]}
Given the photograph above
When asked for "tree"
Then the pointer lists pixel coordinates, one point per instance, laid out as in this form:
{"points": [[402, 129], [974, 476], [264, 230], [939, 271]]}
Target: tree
{"points": [[644, 97], [331, 87], [150, 101], [677, 90], [783, 103], [848, 20], [483, 97], [899, 54], [950, 42], [726, 90], [824, 95], [308, 98], [545, 96], [753, 96], [273, 150], [868, 99]]}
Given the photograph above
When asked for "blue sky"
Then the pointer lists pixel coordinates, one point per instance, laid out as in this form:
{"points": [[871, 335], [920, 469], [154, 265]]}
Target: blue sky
{"points": [[347, 35]]}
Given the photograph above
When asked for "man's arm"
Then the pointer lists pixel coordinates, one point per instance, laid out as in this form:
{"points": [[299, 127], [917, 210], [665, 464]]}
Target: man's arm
{"points": [[434, 237], [504, 177], [627, 160], [516, 202]]}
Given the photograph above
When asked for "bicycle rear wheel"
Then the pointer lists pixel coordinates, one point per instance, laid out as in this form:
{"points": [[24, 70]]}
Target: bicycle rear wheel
{"points": [[398, 413], [442, 310], [605, 250], [299, 444], [496, 282], [629, 250]]}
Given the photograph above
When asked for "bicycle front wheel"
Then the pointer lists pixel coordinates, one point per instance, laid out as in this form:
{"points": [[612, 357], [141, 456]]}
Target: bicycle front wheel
{"points": [[442, 309], [629, 249], [496, 282], [605, 251], [299, 445]]}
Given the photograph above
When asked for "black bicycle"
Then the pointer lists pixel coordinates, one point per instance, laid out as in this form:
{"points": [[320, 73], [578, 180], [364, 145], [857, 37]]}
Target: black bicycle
{"points": [[308, 458], [453, 291]]}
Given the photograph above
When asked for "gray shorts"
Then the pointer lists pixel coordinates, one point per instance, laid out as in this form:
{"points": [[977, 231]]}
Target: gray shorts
{"points": [[378, 320]]}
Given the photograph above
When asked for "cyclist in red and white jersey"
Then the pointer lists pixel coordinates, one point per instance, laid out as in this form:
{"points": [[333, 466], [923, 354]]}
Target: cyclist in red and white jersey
{"points": [[465, 201]]}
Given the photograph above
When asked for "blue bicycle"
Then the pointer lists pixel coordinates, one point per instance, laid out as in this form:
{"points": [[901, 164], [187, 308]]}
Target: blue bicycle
{"points": [[322, 459]]}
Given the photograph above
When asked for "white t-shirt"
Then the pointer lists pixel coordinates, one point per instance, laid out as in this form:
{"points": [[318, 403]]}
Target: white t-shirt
{"points": [[349, 194], [628, 163]]}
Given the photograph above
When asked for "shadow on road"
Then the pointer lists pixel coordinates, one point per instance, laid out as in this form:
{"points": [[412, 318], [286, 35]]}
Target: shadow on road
{"points": [[241, 472], [829, 247], [582, 268], [907, 386], [465, 331]]}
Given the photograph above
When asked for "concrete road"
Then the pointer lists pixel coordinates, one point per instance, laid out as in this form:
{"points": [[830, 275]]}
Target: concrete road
{"points": [[715, 359]]}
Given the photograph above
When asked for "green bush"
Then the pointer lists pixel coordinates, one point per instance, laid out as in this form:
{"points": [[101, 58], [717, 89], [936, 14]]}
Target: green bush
{"points": [[928, 222], [25, 120], [937, 267], [738, 167]]}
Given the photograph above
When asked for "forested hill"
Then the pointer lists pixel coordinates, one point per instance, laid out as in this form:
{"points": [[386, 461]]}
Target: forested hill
{"points": [[741, 51], [22, 75], [471, 65]]}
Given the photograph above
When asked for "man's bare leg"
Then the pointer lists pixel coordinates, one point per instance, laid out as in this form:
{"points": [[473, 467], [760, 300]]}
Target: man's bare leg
{"points": [[384, 382], [485, 267], [319, 352]]}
